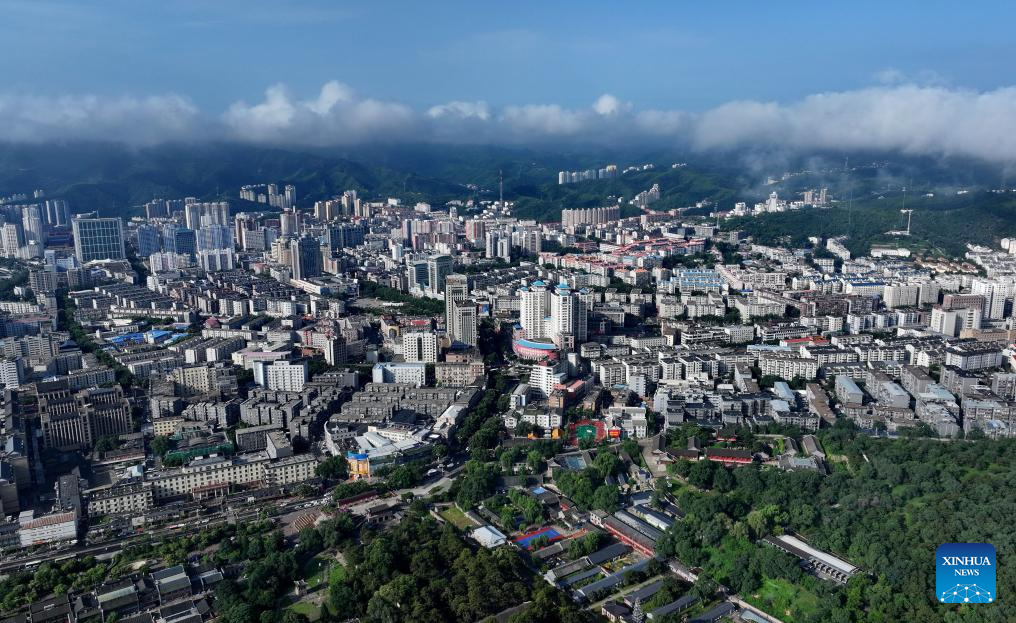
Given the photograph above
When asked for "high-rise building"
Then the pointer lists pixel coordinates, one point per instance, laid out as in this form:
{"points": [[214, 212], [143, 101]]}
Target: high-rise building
{"points": [[491, 240], [456, 289], [57, 213], [306, 257], [419, 346], [350, 203], [476, 231], [464, 322], [98, 239], [998, 294], [335, 350], [156, 208], [438, 268], [289, 223], [242, 223], [282, 251], [32, 224], [417, 275], [198, 214], [149, 240], [11, 235], [215, 260], [568, 318], [165, 261], [327, 210], [534, 307], [259, 239], [179, 240], [213, 236], [11, 372], [529, 240], [344, 235], [589, 216], [290, 195]]}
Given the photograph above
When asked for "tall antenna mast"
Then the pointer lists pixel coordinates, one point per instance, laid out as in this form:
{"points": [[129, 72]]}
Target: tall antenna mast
{"points": [[850, 199], [500, 186]]}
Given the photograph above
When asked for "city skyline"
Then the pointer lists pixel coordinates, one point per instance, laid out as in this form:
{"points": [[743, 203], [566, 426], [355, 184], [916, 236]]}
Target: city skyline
{"points": [[323, 312]]}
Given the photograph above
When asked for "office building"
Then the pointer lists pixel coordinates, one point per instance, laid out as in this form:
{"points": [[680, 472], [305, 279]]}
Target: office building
{"points": [[456, 289], [438, 269], [98, 239], [464, 327], [180, 240], [306, 257], [419, 346]]}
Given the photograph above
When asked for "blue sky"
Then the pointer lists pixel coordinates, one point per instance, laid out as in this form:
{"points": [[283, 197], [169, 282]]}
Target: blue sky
{"points": [[691, 55], [917, 77]]}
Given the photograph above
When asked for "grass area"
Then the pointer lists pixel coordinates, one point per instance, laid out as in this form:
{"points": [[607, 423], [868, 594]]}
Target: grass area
{"points": [[308, 609], [336, 574], [787, 601], [457, 518], [315, 570]]}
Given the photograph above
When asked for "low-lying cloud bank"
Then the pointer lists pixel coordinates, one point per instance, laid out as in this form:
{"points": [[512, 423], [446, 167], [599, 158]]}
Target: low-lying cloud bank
{"points": [[908, 118]]}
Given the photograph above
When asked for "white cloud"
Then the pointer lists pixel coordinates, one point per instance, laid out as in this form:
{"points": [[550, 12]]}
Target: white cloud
{"points": [[542, 120], [607, 104], [911, 118], [154, 119], [335, 116], [460, 110]]}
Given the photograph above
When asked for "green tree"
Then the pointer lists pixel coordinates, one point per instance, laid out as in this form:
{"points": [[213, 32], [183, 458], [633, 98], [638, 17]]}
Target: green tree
{"points": [[332, 468], [160, 445]]}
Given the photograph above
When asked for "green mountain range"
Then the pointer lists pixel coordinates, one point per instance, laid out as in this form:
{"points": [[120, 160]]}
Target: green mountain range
{"points": [[116, 179]]}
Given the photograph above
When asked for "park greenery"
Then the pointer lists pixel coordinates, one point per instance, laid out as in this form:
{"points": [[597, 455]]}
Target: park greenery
{"points": [[885, 507], [421, 571]]}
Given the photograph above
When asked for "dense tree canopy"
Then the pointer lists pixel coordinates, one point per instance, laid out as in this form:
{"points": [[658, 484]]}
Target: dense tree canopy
{"points": [[886, 507]]}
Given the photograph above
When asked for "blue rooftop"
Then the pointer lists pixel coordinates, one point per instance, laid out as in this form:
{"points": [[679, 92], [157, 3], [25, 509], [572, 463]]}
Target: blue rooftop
{"points": [[127, 337], [540, 345]]}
